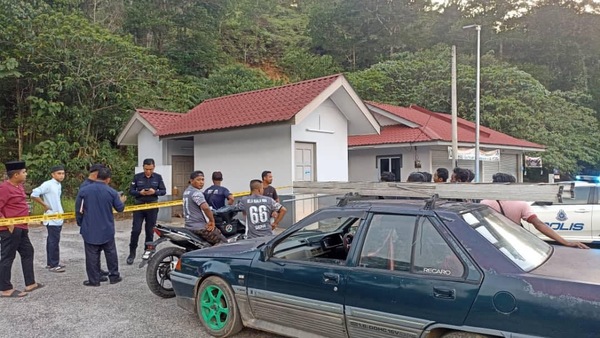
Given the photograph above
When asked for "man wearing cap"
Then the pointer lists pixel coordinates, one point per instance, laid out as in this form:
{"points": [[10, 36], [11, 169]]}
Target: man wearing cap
{"points": [[15, 238], [196, 212], [145, 188], [216, 194], [51, 191], [93, 209]]}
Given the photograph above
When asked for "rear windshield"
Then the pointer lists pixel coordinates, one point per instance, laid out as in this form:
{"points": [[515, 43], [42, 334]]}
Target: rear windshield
{"points": [[516, 243]]}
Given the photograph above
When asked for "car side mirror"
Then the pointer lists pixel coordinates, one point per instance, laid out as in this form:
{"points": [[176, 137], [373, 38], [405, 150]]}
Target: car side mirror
{"points": [[264, 253]]}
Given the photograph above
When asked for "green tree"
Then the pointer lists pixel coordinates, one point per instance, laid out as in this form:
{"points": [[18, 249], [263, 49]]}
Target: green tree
{"points": [[235, 79], [512, 101], [185, 31], [301, 65], [79, 83]]}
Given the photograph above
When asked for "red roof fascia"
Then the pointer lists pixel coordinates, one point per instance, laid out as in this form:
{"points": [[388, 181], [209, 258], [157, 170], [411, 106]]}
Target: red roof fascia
{"points": [[437, 127], [263, 106]]}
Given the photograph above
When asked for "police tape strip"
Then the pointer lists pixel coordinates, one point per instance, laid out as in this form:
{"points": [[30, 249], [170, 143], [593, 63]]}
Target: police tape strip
{"points": [[71, 215]]}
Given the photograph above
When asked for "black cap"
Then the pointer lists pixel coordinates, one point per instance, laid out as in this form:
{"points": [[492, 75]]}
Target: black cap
{"points": [[96, 167], [14, 165], [57, 168]]}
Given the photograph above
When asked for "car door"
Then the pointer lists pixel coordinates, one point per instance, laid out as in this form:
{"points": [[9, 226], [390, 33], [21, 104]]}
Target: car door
{"points": [[595, 225], [573, 218], [296, 288], [407, 276]]}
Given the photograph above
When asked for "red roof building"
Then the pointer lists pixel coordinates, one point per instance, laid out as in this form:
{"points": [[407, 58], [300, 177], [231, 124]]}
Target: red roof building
{"points": [[317, 129], [428, 126], [272, 105]]}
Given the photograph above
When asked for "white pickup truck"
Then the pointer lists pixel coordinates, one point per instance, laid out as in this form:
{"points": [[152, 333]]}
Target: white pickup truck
{"points": [[577, 218]]}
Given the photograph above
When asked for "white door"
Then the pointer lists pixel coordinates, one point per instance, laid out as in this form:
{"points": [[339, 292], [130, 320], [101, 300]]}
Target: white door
{"points": [[304, 170]]}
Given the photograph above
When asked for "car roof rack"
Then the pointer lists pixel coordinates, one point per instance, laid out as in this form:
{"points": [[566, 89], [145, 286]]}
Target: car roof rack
{"points": [[542, 192]]}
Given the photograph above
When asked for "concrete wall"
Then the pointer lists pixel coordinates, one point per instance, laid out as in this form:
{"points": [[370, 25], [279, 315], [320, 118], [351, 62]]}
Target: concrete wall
{"points": [[331, 141], [178, 148], [149, 146], [362, 162], [242, 154]]}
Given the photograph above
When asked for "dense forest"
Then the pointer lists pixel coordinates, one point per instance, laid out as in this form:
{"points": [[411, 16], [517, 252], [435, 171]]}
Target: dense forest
{"points": [[72, 71]]}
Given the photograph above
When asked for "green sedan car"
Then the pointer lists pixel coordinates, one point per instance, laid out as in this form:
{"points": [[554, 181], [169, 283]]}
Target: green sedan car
{"points": [[395, 268]]}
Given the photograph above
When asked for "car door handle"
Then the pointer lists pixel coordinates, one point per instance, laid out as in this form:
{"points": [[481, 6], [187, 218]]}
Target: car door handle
{"points": [[581, 211], [444, 293], [331, 278]]}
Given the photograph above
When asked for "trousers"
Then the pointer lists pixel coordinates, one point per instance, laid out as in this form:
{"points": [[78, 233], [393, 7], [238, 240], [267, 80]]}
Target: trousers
{"points": [[149, 216], [92, 260], [10, 244], [52, 245]]}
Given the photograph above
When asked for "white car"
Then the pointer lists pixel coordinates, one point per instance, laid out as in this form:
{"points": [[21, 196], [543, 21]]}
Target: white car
{"points": [[577, 218]]}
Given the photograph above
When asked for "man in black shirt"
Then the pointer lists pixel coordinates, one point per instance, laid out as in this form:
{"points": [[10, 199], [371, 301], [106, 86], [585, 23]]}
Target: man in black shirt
{"points": [[145, 188], [268, 190]]}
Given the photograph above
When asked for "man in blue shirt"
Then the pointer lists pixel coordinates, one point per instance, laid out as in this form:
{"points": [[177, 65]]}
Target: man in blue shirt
{"points": [[94, 212], [92, 177], [51, 192], [216, 194], [145, 188]]}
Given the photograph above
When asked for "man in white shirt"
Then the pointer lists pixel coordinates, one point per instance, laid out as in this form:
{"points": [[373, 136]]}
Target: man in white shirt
{"points": [[51, 192]]}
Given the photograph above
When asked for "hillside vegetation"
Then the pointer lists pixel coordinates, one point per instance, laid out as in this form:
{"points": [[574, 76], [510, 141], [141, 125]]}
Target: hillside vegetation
{"points": [[72, 71]]}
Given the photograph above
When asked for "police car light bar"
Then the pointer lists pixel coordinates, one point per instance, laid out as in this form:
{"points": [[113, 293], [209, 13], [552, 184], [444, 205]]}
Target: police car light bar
{"points": [[588, 178]]}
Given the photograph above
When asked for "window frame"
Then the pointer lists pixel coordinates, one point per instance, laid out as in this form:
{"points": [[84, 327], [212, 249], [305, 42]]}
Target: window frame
{"points": [[469, 267], [389, 158]]}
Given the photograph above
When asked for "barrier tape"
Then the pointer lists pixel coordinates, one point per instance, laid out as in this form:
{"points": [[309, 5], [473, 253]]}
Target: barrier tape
{"points": [[130, 208]]}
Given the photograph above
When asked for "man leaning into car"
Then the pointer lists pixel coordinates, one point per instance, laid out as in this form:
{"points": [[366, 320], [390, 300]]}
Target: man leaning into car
{"points": [[520, 210]]}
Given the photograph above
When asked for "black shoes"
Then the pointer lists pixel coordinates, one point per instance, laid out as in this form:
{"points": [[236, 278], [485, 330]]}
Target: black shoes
{"points": [[115, 280], [131, 257], [103, 273]]}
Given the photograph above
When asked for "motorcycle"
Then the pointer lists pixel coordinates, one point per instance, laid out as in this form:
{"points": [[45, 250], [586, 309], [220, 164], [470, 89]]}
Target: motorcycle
{"points": [[162, 262]]}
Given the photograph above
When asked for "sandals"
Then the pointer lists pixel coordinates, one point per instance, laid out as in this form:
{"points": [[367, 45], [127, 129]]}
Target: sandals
{"points": [[38, 286], [14, 294]]}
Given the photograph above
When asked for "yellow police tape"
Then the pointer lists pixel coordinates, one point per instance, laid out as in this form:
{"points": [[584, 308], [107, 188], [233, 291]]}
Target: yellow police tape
{"points": [[71, 215]]}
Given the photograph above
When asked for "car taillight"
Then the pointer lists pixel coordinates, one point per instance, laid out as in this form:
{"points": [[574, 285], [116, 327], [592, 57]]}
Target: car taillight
{"points": [[178, 265]]}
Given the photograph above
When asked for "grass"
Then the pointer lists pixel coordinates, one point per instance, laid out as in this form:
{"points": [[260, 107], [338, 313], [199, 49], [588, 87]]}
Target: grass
{"points": [[67, 203]]}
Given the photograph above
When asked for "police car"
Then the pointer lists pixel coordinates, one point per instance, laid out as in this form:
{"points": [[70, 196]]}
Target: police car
{"points": [[577, 218]]}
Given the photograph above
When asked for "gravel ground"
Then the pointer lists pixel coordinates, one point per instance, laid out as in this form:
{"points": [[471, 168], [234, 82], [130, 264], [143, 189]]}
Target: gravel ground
{"points": [[66, 308]]}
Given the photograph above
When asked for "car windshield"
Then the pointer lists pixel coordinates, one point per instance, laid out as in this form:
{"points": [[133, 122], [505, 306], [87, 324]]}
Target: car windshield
{"points": [[516, 243]]}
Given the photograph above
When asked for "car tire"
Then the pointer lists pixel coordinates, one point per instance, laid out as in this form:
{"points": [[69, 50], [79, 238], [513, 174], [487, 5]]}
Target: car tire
{"points": [[462, 334], [217, 309], [159, 271]]}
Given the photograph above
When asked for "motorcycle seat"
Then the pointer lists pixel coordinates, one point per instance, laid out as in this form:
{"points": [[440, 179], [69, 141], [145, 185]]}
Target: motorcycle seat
{"points": [[182, 230]]}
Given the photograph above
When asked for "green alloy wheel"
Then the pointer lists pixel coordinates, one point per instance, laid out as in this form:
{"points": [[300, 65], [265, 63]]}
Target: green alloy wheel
{"points": [[217, 308]]}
